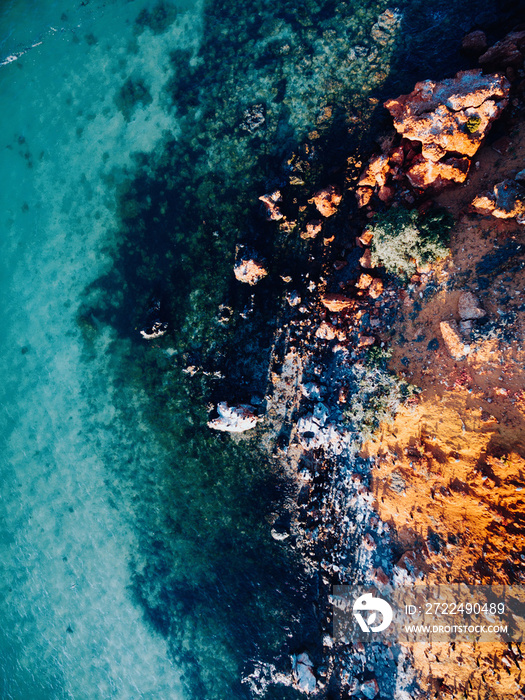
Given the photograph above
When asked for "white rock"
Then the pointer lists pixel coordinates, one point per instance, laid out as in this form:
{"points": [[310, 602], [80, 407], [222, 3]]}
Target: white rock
{"points": [[303, 673], [233, 419], [370, 688]]}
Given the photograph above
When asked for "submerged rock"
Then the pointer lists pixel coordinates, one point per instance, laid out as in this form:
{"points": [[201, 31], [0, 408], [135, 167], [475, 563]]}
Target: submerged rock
{"points": [[253, 118], [154, 326], [233, 419]]}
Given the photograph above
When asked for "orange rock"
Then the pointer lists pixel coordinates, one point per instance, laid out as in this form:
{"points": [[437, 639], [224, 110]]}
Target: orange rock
{"points": [[376, 288], [271, 201], [366, 260], [249, 271], [336, 302], [364, 281], [375, 173], [327, 200], [312, 229], [363, 196], [366, 237], [425, 173], [450, 332], [507, 201]]}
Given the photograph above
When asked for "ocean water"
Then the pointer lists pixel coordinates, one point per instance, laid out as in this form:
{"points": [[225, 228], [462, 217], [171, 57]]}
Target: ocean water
{"points": [[135, 550]]}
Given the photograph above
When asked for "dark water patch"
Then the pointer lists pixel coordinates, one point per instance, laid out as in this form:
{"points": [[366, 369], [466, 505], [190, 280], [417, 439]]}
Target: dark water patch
{"points": [[158, 18], [133, 93]]}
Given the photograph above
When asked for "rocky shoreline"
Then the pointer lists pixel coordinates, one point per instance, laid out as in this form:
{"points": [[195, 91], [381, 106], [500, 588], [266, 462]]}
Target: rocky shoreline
{"points": [[330, 387]]}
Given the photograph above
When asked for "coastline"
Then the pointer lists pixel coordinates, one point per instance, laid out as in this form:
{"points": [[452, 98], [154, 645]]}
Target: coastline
{"points": [[340, 520]]}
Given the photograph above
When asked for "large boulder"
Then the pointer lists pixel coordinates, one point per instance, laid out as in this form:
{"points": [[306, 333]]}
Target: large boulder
{"points": [[441, 126], [448, 121], [233, 419]]}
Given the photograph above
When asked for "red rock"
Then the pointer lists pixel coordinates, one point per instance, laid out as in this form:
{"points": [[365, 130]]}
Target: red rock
{"points": [[508, 52], [475, 42], [327, 200], [366, 260], [386, 193]]}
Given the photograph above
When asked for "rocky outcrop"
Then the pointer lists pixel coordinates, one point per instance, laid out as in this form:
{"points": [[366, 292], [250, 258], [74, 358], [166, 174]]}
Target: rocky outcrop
{"points": [[506, 201], [327, 200], [450, 117], [441, 125], [233, 419]]}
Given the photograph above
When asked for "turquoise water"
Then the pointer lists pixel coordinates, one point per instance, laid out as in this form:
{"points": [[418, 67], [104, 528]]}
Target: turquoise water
{"points": [[134, 543]]}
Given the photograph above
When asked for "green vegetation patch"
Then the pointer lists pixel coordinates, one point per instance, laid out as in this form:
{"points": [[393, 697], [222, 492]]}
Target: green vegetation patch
{"points": [[404, 240]]}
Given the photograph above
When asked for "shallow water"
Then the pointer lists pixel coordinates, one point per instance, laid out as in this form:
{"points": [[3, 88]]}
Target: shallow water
{"points": [[135, 550]]}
